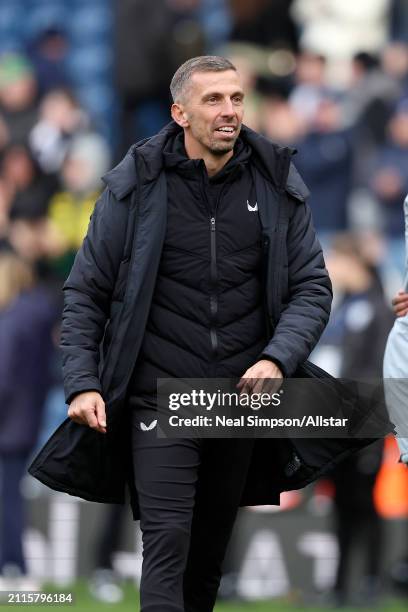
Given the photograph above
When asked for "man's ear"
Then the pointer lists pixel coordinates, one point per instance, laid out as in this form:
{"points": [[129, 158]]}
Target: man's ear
{"points": [[179, 115]]}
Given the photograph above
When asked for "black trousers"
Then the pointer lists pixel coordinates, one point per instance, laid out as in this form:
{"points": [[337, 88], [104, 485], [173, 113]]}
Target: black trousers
{"points": [[188, 492]]}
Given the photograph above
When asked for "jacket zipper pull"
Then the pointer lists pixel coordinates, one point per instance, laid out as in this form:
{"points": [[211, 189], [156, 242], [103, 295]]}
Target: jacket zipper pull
{"points": [[212, 224]]}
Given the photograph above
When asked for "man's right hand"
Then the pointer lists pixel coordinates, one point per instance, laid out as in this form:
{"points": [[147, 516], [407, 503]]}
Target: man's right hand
{"points": [[400, 304], [88, 408]]}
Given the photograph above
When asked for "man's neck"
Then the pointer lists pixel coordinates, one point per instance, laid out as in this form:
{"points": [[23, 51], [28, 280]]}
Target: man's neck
{"points": [[213, 163]]}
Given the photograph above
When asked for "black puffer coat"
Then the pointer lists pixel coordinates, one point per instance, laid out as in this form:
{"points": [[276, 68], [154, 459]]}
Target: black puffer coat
{"points": [[207, 316], [105, 317]]}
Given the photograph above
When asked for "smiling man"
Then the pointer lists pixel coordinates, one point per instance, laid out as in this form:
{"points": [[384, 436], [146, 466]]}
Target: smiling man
{"points": [[200, 262]]}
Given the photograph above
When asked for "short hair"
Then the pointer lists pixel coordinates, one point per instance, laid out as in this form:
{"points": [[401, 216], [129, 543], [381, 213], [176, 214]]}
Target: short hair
{"points": [[202, 63]]}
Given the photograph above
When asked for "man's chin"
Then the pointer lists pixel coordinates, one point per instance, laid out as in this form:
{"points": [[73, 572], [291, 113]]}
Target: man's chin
{"points": [[221, 148]]}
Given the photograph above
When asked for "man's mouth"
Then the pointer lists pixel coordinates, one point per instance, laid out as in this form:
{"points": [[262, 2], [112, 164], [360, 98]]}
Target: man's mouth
{"points": [[226, 129]]}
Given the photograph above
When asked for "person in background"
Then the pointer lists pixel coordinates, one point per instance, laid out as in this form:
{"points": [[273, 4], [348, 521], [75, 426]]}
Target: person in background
{"points": [[366, 108], [61, 119], [280, 122], [394, 62], [310, 87], [49, 54], [359, 326], [325, 160], [152, 39], [395, 383], [389, 183], [369, 99], [324, 148], [69, 210], [18, 96], [27, 317], [29, 188]]}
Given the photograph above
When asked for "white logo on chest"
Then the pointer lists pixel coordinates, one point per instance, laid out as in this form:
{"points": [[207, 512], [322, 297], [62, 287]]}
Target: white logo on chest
{"points": [[252, 208]]}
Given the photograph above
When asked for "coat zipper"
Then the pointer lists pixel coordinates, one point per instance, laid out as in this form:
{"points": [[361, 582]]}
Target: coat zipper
{"points": [[213, 295], [213, 268], [265, 249]]}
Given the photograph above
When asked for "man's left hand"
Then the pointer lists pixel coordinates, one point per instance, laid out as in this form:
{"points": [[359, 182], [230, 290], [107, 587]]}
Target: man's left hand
{"points": [[263, 377]]}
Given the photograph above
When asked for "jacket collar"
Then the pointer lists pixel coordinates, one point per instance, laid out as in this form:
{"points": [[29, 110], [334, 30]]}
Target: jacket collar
{"points": [[145, 158]]}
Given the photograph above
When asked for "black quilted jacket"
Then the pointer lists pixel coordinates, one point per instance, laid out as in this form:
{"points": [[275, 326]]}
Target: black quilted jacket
{"points": [[108, 299]]}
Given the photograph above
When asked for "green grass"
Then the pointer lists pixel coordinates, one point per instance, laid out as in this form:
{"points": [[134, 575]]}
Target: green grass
{"points": [[83, 602]]}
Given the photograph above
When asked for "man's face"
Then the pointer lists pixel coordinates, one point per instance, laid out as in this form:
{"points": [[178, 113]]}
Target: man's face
{"points": [[212, 110]]}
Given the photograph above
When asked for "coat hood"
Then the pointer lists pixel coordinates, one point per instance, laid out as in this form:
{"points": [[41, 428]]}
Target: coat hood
{"points": [[146, 158]]}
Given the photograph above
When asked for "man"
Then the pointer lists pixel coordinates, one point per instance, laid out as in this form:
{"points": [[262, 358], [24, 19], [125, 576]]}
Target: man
{"points": [[200, 261], [395, 372]]}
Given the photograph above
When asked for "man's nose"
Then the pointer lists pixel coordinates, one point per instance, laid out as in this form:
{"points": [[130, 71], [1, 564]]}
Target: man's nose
{"points": [[228, 108]]}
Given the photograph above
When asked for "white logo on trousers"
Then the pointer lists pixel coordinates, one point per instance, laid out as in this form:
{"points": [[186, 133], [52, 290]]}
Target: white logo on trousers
{"points": [[144, 427]]}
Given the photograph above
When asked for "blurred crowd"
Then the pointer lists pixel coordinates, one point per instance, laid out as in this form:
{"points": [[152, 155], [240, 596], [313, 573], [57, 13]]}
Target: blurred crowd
{"points": [[327, 78]]}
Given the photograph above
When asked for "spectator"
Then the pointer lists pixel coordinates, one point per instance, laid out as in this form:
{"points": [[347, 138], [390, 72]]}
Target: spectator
{"points": [[310, 88], [366, 108], [152, 39], [29, 188], [280, 122], [48, 53], [389, 183], [367, 105], [70, 209], [325, 160], [26, 319], [395, 63], [60, 119], [360, 325], [18, 96]]}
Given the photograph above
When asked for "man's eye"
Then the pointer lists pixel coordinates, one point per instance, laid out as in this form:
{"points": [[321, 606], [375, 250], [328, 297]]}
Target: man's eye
{"points": [[212, 99], [238, 100]]}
